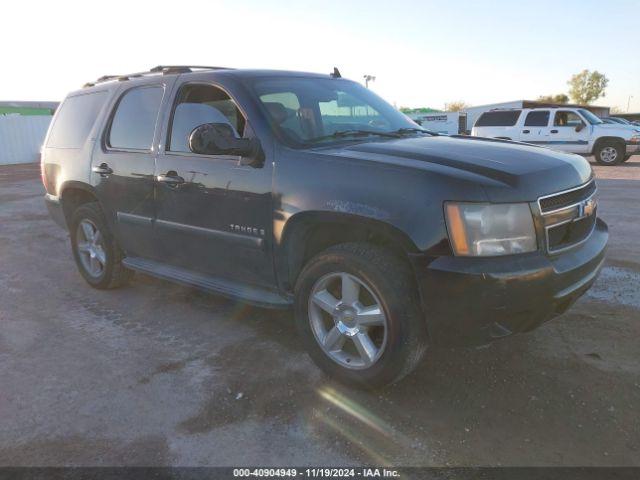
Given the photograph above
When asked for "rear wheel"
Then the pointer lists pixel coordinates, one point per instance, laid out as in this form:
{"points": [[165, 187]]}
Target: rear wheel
{"points": [[609, 153], [358, 312], [97, 255]]}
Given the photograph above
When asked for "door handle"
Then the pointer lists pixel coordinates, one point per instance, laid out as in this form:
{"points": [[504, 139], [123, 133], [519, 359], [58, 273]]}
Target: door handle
{"points": [[554, 131], [526, 131], [103, 169], [171, 178]]}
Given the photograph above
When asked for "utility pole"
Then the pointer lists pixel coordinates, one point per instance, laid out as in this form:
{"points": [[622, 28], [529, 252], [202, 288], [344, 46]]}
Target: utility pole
{"points": [[367, 79], [629, 102]]}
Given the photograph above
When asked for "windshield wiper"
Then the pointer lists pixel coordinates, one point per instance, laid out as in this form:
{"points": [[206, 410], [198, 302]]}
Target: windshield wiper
{"points": [[355, 133], [404, 131]]}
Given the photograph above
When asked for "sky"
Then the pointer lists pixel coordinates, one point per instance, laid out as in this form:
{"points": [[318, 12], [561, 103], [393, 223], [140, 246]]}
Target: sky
{"points": [[423, 53]]}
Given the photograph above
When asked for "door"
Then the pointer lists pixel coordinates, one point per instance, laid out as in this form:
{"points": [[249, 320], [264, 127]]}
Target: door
{"points": [[123, 167], [563, 134], [213, 215], [536, 127]]}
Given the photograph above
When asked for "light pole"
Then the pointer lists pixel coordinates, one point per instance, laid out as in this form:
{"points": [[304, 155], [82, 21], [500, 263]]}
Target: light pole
{"points": [[629, 102], [367, 79]]}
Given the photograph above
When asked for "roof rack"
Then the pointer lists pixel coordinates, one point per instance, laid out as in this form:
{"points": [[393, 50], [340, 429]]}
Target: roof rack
{"points": [[163, 69], [169, 69]]}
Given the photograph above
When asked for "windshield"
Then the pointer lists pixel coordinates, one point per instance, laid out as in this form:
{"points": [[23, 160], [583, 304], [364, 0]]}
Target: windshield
{"points": [[591, 118], [307, 110]]}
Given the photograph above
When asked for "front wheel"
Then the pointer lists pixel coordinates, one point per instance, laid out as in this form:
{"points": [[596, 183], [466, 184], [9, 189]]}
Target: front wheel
{"points": [[609, 153], [358, 312]]}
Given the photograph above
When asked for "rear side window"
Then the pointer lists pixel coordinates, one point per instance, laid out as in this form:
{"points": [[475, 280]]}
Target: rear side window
{"points": [[537, 119], [74, 120], [498, 119], [134, 121]]}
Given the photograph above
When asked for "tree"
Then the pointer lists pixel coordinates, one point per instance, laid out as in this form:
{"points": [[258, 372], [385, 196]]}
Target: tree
{"points": [[559, 98], [456, 106], [587, 86]]}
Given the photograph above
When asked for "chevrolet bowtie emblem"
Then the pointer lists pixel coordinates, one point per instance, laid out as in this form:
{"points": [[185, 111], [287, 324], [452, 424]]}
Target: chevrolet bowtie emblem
{"points": [[587, 208]]}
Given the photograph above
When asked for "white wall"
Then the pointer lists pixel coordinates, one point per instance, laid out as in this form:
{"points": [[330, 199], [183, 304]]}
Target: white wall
{"points": [[445, 122], [21, 137]]}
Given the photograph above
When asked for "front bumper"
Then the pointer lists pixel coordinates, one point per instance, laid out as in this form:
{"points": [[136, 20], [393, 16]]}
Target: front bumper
{"points": [[473, 301], [633, 148]]}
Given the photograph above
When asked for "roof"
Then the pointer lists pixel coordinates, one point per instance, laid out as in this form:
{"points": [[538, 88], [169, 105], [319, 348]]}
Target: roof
{"points": [[186, 69], [538, 104]]}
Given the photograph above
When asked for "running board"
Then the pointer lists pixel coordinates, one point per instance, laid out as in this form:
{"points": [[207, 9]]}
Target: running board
{"points": [[247, 293]]}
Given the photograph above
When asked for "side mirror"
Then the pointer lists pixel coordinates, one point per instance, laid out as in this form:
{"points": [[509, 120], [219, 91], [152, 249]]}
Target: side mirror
{"points": [[220, 139], [580, 126]]}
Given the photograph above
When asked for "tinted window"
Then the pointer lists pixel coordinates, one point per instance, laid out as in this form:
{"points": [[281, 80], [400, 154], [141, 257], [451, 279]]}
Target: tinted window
{"points": [[74, 120], [308, 110], [537, 119], [200, 104], [566, 119], [283, 108], [506, 118], [134, 122]]}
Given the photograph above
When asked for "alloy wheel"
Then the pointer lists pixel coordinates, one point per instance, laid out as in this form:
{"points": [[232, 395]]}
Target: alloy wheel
{"points": [[347, 320], [91, 248], [608, 154]]}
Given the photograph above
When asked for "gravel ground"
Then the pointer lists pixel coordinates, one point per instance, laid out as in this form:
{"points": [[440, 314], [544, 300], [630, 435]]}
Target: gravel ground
{"points": [[158, 374]]}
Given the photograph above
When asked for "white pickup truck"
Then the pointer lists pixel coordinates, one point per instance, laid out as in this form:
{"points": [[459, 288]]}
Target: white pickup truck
{"points": [[574, 130]]}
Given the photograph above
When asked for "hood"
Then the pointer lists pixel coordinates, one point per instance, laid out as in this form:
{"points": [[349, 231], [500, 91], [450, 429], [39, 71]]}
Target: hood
{"points": [[508, 171], [618, 127]]}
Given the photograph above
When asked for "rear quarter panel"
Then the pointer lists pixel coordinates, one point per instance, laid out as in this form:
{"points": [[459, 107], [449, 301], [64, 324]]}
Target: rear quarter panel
{"points": [[60, 166]]}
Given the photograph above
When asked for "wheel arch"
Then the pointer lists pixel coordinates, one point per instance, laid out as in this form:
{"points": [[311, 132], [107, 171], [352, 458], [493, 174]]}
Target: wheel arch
{"points": [[308, 233], [73, 194], [599, 141]]}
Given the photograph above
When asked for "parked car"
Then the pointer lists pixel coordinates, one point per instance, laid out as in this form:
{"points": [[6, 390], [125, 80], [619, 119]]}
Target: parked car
{"points": [[621, 121], [301, 190], [574, 130]]}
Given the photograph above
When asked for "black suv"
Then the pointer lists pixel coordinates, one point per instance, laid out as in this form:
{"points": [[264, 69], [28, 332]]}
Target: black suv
{"points": [[294, 189]]}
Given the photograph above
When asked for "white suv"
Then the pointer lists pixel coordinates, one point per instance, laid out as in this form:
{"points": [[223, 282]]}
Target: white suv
{"points": [[574, 130]]}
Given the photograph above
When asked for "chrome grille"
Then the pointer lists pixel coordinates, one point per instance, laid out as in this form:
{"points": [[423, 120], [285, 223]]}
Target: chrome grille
{"points": [[569, 217], [567, 198]]}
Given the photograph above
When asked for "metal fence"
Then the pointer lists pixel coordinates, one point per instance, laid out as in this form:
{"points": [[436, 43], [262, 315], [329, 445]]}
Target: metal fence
{"points": [[21, 137]]}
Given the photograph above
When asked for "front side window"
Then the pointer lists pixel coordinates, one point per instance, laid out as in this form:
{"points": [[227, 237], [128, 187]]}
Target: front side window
{"points": [[309, 110], [134, 121], [566, 118], [537, 119], [199, 104]]}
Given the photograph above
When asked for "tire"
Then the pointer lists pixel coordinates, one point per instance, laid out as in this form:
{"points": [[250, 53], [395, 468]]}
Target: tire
{"points": [[609, 153], [102, 249], [384, 280]]}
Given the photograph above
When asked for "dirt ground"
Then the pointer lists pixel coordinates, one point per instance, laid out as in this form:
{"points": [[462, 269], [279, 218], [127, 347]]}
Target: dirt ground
{"points": [[158, 374]]}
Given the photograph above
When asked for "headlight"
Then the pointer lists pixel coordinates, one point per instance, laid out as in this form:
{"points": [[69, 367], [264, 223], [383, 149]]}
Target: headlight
{"points": [[481, 229]]}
